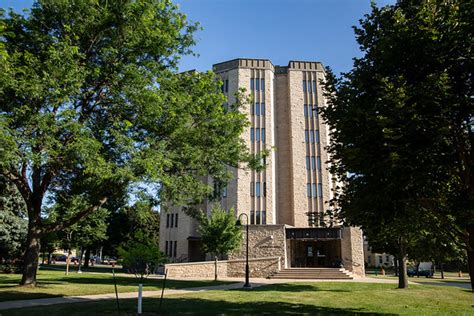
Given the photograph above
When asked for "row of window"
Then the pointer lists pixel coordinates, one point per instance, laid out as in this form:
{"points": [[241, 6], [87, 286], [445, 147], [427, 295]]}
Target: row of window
{"points": [[257, 84], [311, 136], [313, 162], [309, 86], [225, 86], [310, 110], [257, 109], [257, 134], [311, 190], [170, 248], [258, 189], [258, 217], [171, 220]]}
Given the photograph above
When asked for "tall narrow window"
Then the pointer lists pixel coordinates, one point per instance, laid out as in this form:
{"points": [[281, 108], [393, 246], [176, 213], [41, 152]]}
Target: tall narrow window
{"points": [[257, 84], [175, 248], [305, 110], [310, 110], [257, 108], [264, 217], [227, 86], [304, 85], [311, 136], [262, 111], [264, 189], [252, 137], [317, 135], [252, 218], [262, 84], [224, 192], [306, 135], [307, 163], [252, 109], [314, 190], [171, 248], [257, 217], [251, 84], [309, 86], [308, 189], [313, 162], [257, 134], [263, 134], [252, 189], [320, 190], [318, 162], [314, 86], [172, 218], [167, 220], [257, 189], [166, 248]]}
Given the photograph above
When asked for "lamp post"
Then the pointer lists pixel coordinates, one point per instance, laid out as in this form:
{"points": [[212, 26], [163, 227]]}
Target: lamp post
{"points": [[247, 270]]}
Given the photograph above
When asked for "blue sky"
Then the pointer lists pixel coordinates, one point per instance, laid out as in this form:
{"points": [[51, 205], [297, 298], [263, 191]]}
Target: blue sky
{"points": [[279, 30]]}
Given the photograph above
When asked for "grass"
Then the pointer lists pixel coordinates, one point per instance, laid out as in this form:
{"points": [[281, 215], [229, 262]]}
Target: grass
{"points": [[53, 283], [322, 298]]}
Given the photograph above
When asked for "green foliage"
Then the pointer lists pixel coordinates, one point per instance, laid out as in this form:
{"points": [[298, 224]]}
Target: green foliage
{"points": [[91, 102], [141, 259], [219, 233], [13, 224], [400, 124], [137, 223]]}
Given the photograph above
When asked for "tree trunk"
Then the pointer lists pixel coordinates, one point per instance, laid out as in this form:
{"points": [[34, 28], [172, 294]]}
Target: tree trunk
{"points": [[31, 256], [80, 260], [395, 263], [87, 257], [215, 268], [470, 253], [441, 267], [402, 271]]}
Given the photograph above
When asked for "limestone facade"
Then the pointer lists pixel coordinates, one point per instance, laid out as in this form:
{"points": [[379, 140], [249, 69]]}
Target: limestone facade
{"points": [[296, 186]]}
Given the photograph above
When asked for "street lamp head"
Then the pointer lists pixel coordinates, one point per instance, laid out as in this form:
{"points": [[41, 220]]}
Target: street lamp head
{"points": [[238, 223]]}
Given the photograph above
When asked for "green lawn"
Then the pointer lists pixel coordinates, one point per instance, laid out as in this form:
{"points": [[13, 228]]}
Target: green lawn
{"points": [[53, 283], [289, 299]]}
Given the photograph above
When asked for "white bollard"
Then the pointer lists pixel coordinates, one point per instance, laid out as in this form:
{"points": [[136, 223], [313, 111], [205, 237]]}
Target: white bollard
{"points": [[140, 287]]}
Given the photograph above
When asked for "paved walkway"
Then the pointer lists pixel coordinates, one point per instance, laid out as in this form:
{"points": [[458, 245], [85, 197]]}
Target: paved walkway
{"points": [[111, 296], [255, 282]]}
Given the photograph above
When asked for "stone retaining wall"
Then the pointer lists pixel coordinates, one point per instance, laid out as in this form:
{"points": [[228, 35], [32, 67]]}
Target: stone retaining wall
{"points": [[259, 268]]}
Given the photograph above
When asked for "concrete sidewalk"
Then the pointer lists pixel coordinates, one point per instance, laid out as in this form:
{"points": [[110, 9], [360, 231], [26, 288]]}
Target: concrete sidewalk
{"points": [[111, 296], [255, 282]]}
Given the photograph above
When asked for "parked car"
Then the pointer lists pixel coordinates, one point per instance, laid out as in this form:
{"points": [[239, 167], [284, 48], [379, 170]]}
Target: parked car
{"points": [[109, 260], [60, 258], [422, 269]]}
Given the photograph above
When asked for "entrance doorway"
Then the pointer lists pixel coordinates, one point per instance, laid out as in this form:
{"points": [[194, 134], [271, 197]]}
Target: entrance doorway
{"points": [[313, 253]]}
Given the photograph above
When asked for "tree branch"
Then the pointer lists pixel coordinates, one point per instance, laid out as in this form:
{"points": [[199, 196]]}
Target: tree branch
{"points": [[57, 226]]}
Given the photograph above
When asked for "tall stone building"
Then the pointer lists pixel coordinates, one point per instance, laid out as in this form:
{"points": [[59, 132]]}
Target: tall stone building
{"points": [[289, 197]]}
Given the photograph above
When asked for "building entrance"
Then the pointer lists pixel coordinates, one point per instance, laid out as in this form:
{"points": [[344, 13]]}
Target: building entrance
{"points": [[315, 253], [314, 247]]}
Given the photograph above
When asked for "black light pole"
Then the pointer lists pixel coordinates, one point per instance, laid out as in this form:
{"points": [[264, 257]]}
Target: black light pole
{"points": [[247, 270]]}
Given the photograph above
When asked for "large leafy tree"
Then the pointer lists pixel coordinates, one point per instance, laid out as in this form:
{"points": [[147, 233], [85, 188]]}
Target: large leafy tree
{"points": [[91, 101], [401, 119]]}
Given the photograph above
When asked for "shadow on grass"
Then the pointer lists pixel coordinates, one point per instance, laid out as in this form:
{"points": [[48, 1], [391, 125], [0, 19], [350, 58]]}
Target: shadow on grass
{"points": [[292, 287], [20, 295], [191, 306], [73, 268]]}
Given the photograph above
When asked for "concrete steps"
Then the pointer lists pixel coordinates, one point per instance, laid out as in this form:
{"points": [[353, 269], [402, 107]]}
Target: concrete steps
{"points": [[313, 273]]}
